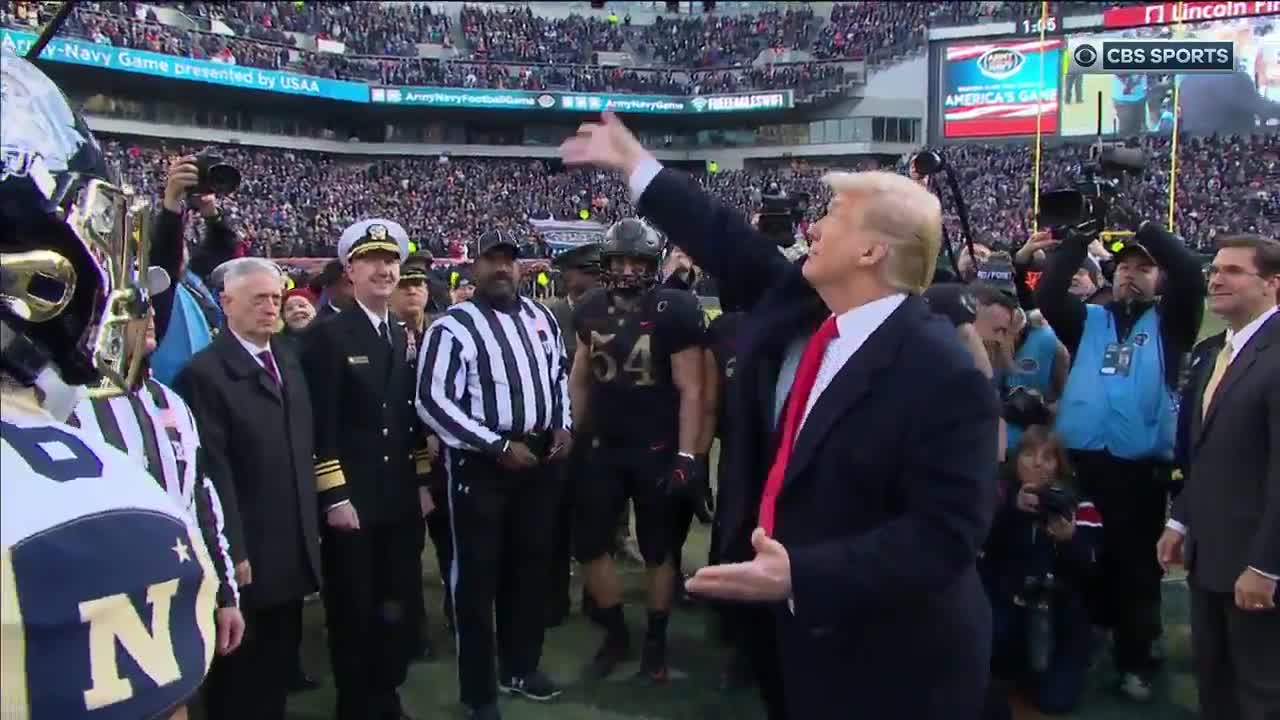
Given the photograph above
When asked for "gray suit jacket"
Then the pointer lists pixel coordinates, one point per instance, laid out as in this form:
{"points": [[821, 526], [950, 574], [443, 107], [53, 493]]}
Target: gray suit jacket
{"points": [[1231, 500]]}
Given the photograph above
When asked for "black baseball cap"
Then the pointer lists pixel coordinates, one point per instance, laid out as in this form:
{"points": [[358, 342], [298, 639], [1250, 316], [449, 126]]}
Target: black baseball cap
{"points": [[997, 271], [1130, 248], [493, 239]]}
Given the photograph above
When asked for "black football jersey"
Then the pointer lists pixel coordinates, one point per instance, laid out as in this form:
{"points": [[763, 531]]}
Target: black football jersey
{"points": [[633, 399]]}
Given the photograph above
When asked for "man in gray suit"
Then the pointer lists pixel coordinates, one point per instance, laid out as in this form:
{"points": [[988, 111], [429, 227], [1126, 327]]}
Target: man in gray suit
{"points": [[1229, 511]]}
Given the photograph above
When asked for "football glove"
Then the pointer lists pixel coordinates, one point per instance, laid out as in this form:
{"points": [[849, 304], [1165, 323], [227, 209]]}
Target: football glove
{"points": [[689, 479]]}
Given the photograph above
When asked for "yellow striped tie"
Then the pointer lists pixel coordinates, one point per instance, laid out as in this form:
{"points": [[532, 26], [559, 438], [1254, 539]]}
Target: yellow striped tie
{"points": [[1219, 369]]}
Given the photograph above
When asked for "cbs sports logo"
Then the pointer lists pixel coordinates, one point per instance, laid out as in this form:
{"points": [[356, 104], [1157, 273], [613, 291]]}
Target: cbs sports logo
{"points": [[1106, 56]]}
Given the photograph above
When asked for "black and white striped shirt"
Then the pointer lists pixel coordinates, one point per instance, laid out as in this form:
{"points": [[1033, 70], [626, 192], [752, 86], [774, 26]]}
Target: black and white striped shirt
{"points": [[484, 373], [154, 426]]}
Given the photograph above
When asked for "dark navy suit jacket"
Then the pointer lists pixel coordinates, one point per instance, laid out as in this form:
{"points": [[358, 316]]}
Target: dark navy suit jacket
{"points": [[888, 496]]}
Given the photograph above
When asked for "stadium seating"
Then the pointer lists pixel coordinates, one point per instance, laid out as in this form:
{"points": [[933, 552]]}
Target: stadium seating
{"points": [[719, 40], [296, 203], [516, 49], [1225, 184]]}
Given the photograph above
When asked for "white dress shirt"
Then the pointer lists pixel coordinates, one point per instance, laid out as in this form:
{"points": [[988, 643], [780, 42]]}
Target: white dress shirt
{"points": [[254, 350], [855, 326], [376, 319], [1238, 340]]}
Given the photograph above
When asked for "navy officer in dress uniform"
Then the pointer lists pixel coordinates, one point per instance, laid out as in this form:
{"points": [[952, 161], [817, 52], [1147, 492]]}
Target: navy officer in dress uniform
{"points": [[373, 501]]}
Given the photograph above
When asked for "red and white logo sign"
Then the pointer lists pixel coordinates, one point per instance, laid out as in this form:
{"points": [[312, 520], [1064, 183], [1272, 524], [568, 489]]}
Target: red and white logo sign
{"points": [[1187, 12]]}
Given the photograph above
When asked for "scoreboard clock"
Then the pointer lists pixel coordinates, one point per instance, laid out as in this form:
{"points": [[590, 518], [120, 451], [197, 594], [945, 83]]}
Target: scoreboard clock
{"points": [[1052, 25]]}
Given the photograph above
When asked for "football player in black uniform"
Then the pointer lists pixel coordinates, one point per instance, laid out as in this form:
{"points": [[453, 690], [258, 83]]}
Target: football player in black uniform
{"points": [[637, 381]]}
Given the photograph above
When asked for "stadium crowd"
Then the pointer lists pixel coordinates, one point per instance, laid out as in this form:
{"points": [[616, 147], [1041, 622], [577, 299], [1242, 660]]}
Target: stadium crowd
{"points": [[120, 25], [295, 203], [516, 34], [365, 28], [1225, 185], [716, 40], [872, 30]]}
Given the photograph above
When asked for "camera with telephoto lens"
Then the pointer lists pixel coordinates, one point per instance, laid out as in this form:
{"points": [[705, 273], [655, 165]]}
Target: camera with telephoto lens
{"points": [[1037, 597], [1025, 407], [215, 176], [1081, 210], [780, 213]]}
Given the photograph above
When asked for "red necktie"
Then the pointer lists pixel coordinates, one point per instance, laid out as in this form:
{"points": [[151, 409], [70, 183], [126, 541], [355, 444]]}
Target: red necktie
{"points": [[797, 401], [269, 364]]}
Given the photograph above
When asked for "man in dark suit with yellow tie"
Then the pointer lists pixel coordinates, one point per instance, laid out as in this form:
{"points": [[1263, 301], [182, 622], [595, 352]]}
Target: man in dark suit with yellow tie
{"points": [[1228, 514], [371, 499]]}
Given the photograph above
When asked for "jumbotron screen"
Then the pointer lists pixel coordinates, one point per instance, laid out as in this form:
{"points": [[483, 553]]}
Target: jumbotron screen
{"points": [[1135, 104], [999, 88]]}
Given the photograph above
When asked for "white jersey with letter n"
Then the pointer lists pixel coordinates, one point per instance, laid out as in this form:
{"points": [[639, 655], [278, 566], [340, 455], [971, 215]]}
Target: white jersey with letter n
{"points": [[107, 594]]}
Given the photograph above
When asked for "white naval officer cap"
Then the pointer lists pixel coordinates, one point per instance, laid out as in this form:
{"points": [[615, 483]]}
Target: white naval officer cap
{"points": [[373, 235]]}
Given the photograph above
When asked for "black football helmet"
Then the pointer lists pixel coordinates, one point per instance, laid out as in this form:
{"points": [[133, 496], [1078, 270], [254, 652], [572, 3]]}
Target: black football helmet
{"points": [[633, 238], [73, 250]]}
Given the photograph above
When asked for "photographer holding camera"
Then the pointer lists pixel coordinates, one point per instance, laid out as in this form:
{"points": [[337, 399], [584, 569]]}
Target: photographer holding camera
{"points": [[188, 317], [1117, 412], [1040, 556]]}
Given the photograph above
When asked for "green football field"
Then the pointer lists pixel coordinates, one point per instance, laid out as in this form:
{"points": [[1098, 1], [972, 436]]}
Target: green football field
{"points": [[692, 694], [431, 690]]}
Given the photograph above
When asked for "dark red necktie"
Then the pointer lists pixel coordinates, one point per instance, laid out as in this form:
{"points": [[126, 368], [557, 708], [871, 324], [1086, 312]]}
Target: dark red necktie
{"points": [[797, 401], [269, 364]]}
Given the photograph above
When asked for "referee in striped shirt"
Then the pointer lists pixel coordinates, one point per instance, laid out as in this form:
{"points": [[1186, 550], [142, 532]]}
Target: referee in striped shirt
{"points": [[493, 385], [154, 426]]}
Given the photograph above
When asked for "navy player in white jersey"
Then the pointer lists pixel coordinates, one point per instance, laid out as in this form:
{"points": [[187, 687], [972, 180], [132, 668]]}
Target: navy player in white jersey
{"points": [[107, 594]]}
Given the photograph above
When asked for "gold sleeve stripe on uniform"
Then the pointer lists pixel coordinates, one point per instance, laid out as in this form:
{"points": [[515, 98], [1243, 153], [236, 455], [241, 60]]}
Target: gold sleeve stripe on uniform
{"points": [[330, 479], [422, 466], [13, 644], [326, 466]]}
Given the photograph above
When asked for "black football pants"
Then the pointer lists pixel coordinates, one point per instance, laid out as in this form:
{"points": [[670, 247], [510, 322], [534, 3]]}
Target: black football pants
{"points": [[372, 600], [1132, 497], [502, 531]]}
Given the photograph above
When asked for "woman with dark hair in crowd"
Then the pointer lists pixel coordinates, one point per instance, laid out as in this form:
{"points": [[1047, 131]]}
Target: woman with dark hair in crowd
{"points": [[1042, 550]]}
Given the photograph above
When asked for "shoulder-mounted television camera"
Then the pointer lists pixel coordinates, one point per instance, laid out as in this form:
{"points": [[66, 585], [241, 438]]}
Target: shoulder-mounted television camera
{"points": [[780, 213], [1082, 209]]}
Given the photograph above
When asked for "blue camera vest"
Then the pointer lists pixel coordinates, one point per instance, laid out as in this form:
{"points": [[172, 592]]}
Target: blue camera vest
{"points": [[1032, 369], [1129, 412]]}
